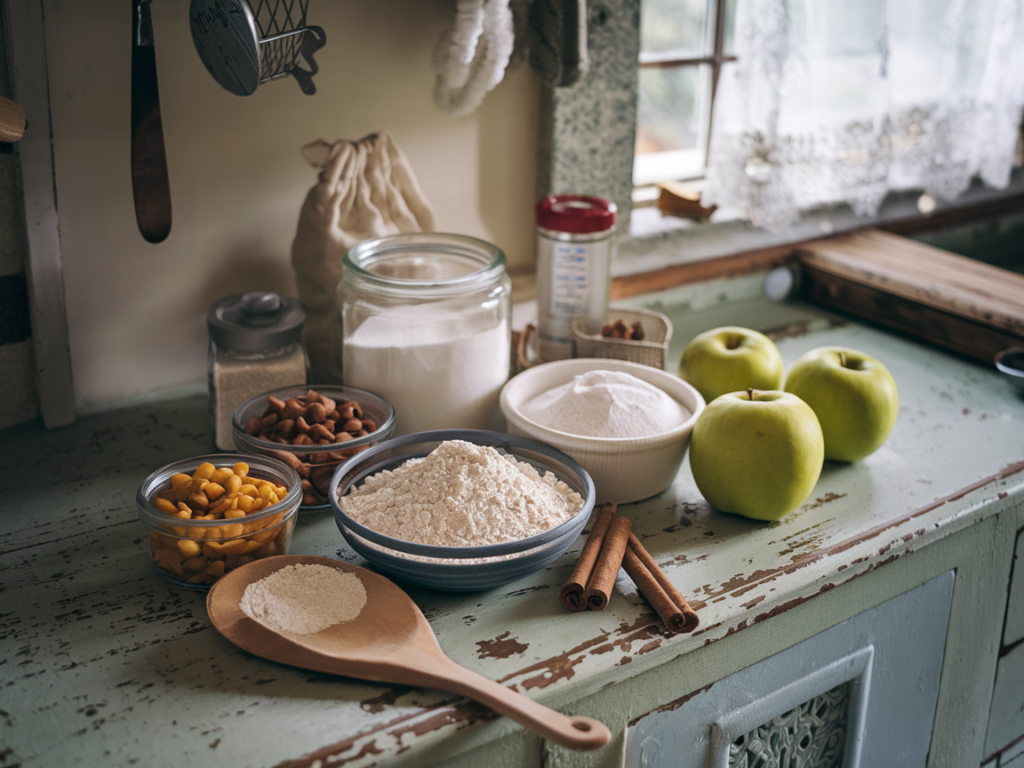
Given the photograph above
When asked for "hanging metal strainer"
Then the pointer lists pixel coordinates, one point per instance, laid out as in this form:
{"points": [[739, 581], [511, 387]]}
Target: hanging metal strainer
{"points": [[245, 43]]}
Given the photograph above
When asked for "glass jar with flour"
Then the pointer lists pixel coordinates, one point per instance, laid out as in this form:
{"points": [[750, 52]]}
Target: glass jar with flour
{"points": [[426, 322]]}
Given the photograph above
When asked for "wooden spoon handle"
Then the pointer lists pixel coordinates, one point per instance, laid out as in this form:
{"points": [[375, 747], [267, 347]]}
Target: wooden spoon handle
{"points": [[575, 732]]}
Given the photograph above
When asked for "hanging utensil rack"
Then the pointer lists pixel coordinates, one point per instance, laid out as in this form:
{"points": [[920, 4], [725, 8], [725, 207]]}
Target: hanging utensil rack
{"points": [[245, 44]]}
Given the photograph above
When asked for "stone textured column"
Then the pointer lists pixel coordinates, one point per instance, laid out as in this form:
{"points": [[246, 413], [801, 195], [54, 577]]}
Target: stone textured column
{"points": [[587, 130]]}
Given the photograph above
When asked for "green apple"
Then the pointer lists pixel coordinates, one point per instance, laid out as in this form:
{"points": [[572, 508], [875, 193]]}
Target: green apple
{"points": [[731, 359], [853, 395], [756, 454]]}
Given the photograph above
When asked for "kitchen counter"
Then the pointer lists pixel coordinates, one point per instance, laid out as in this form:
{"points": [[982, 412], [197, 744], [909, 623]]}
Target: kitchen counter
{"points": [[106, 663]]}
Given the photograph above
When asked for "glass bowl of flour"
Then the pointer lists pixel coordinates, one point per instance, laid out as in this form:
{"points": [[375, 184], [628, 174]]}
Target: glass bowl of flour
{"points": [[627, 424], [461, 510]]}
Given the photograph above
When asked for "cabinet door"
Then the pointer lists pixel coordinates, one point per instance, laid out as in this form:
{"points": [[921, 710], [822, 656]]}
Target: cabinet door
{"points": [[1006, 717], [861, 693], [1014, 630]]}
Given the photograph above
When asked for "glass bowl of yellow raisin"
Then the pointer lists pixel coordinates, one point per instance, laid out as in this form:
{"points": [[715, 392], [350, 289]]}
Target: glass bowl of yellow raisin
{"points": [[211, 514]]}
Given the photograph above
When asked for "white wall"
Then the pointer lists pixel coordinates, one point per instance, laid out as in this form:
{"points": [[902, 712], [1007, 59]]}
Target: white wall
{"points": [[136, 310]]}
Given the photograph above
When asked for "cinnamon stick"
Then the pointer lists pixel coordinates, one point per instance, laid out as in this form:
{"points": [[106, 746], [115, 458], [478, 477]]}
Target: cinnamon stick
{"points": [[602, 580], [654, 585], [571, 595]]}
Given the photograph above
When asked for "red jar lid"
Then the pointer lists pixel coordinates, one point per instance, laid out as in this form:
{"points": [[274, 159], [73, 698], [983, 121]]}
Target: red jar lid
{"points": [[577, 214]]}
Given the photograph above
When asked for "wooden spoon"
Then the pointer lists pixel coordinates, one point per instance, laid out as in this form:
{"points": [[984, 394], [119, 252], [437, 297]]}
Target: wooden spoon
{"points": [[151, 188], [389, 642]]}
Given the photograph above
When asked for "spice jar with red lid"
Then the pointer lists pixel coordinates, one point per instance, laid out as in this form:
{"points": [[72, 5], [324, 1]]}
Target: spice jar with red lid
{"points": [[573, 267]]}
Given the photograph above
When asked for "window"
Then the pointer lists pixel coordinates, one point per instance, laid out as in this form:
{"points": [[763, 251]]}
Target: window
{"points": [[683, 46], [589, 131]]}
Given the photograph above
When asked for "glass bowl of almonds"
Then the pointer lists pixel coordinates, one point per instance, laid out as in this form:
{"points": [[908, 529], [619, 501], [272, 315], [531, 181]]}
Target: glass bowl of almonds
{"points": [[211, 514], [313, 429]]}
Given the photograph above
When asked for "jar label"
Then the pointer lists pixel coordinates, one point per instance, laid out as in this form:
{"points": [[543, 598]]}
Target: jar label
{"points": [[570, 280]]}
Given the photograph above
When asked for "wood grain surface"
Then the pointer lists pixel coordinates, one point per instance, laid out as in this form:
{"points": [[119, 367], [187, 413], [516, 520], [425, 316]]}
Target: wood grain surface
{"points": [[954, 302]]}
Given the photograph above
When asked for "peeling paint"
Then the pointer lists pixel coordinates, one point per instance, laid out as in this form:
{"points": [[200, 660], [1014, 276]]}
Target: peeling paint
{"points": [[377, 704], [557, 668], [828, 497], [500, 647], [526, 590], [733, 630], [647, 629], [783, 607], [464, 714], [672, 705], [331, 757]]}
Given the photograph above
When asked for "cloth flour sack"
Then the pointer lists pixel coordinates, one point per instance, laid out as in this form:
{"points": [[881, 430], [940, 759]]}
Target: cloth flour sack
{"points": [[366, 190]]}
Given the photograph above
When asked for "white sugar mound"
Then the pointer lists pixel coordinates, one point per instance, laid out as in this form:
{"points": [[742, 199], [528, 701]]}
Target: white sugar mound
{"points": [[612, 404]]}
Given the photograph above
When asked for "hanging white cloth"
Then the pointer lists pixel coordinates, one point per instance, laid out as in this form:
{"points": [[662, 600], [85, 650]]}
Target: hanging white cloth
{"points": [[834, 102], [470, 58]]}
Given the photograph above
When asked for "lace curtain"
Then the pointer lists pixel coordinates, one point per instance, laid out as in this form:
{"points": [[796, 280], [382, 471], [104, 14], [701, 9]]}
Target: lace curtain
{"points": [[834, 101]]}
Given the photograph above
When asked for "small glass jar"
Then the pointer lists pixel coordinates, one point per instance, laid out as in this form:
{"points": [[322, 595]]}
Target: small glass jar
{"points": [[573, 268], [255, 346], [426, 323]]}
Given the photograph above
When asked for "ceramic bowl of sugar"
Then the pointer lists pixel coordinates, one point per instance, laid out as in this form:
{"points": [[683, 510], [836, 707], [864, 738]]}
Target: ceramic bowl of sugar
{"points": [[461, 510], [628, 425]]}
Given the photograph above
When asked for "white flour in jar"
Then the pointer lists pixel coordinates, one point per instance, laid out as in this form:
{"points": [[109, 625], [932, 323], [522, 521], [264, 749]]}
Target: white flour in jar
{"points": [[606, 404], [304, 598], [461, 495], [441, 374]]}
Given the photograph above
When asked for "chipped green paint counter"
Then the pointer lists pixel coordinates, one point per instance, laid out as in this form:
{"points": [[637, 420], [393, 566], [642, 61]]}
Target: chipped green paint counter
{"points": [[105, 663]]}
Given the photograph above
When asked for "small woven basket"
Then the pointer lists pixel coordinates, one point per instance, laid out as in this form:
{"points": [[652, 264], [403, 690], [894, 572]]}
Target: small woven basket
{"points": [[651, 350]]}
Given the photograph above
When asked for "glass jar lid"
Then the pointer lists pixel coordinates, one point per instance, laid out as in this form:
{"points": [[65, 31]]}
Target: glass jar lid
{"points": [[576, 214], [255, 322], [426, 263]]}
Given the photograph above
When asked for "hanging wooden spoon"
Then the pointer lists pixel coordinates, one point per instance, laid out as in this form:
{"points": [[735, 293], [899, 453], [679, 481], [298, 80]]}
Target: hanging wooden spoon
{"points": [[150, 185], [389, 642]]}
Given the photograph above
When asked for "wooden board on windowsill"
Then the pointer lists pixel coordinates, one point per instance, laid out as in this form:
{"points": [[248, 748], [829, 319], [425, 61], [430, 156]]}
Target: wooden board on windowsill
{"points": [[957, 303]]}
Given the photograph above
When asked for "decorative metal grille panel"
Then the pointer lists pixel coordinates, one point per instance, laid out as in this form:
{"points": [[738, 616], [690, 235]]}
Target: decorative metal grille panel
{"points": [[812, 735]]}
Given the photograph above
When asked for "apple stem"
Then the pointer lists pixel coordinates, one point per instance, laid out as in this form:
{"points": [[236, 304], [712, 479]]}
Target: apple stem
{"points": [[842, 359], [750, 393]]}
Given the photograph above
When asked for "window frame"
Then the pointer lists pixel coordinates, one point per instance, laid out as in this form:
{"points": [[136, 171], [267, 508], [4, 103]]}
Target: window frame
{"points": [[586, 143], [714, 60]]}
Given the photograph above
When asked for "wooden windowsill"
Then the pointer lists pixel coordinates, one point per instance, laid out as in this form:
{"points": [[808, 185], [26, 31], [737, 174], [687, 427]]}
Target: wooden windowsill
{"points": [[763, 259]]}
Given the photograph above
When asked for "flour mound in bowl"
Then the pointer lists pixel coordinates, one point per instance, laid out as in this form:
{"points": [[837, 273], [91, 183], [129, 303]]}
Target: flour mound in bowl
{"points": [[461, 495], [611, 404]]}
